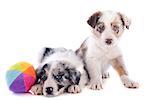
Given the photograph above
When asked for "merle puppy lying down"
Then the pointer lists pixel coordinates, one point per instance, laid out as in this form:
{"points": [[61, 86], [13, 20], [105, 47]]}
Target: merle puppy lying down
{"points": [[60, 71]]}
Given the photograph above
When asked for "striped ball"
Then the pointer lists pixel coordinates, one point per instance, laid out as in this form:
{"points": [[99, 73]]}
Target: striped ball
{"points": [[20, 77]]}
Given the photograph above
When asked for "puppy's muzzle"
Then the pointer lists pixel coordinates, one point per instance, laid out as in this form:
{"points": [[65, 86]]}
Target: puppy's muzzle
{"points": [[108, 41]]}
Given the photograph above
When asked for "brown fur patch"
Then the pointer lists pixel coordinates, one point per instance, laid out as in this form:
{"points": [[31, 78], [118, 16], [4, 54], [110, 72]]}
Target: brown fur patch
{"points": [[118, 23], [81, 51], [112, 26], [92, 21], [119, 66]]}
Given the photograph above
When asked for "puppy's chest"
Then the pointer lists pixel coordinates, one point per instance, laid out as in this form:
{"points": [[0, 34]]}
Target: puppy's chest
{"points": [[97, 55], [103, 56]]}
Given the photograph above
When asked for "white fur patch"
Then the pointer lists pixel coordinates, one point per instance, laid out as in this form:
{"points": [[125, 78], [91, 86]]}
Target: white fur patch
{"points": [[128, 82], [67, 56]]}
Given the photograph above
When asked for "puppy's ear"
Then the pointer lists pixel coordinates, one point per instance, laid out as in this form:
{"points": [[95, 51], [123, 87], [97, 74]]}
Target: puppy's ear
{"points": [[125, 20], [92, 21]]}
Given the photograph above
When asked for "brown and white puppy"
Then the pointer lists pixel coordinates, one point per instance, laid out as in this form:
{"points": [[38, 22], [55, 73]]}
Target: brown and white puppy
{"points": [[100, 49]]}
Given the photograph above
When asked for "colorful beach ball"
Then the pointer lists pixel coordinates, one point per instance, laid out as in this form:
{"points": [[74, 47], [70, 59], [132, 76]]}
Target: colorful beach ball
{"points": [[20, 77]]}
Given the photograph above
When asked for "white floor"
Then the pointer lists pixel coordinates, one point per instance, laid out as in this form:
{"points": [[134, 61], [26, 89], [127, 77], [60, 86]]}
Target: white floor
{"points": [[112, 89]]}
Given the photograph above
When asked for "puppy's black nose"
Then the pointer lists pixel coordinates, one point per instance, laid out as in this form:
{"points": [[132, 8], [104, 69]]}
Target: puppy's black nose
{"points": [[49, 90], [108, 41]]}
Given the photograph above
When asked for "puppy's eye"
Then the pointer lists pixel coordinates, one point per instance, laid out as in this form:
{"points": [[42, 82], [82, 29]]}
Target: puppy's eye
{"points": [[100, 27], [115, 28], [44, 77]]}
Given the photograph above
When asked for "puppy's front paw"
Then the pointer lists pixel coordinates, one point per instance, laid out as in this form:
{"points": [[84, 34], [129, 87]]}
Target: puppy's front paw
{"points": [[105, 75], [74, 89], [95, 85], [129, 83], [36, 89]]}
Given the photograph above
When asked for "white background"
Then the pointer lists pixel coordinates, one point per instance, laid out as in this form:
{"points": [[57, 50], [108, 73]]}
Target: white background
{"points": [[28, 25]]}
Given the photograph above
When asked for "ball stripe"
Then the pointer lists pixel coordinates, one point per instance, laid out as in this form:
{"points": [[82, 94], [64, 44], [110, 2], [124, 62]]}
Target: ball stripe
{"points": [[14, 74], [30, 71], [28, 81], [18, 85]]}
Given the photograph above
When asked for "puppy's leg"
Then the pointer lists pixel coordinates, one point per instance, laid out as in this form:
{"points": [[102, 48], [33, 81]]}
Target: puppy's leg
{"points": [[74, 89], [78, 87], [36, 89], [93, 67], [119, 66]]}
